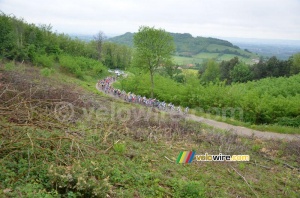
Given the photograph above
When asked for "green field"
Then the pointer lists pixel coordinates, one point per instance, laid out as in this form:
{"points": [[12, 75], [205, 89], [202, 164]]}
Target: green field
{"points": [[213, 53], [181, 60], [202, 57], [218, 53]]}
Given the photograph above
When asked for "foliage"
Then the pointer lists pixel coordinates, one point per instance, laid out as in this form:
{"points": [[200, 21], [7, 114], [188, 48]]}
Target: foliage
{"points": [[271, 68], [116, 56], [211, 73], [295, 68], [21, 41], [225, 69], [120, 147], [153, 49], [268, 101], [47, 72], [234, 70], [191, 189], [43, 60], [42, 156], [240, 73], [80, 66]]}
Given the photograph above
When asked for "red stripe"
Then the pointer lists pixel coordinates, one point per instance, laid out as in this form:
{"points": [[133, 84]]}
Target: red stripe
{"points": [[188, 157]]}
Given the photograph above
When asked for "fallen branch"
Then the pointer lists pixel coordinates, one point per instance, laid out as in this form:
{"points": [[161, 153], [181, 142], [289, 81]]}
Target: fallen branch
{"points": [[256, 164], [111, 146], [244, 180], [169, 159], [291, 167]]}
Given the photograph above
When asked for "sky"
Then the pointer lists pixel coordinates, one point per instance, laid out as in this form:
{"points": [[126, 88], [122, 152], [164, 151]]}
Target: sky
{"points": [[265, 19]]}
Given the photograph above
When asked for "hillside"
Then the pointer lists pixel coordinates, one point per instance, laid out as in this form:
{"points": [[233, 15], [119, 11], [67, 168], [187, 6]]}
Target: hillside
{"points": [[61, 140], [193, 50], [62, 137]]}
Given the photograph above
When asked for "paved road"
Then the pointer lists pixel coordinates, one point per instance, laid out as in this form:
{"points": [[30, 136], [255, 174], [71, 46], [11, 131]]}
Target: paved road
{"points": [[243, 131]]}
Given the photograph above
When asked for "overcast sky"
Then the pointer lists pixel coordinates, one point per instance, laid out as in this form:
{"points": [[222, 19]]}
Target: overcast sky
{"points": [[272, 19]]}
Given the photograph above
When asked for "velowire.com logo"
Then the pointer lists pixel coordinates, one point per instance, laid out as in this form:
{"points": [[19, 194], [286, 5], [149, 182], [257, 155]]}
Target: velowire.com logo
{"points": [[188, 156]]}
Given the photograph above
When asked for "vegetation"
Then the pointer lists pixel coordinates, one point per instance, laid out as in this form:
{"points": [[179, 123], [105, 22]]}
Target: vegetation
{"points": [[29, 43], [108, 148], [60, 137], [267, 101], [153, 49], [236, 71]]}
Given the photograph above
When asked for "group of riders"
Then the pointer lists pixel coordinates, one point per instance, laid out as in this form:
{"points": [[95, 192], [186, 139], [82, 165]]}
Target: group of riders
{"points": [[105, 85]]}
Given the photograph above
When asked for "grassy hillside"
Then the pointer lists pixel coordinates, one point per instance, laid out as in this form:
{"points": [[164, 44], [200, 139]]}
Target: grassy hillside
{"points": [[59, 139], [192, 50]]}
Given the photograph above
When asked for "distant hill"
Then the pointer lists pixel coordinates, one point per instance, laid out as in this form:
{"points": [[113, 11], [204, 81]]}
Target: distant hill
{"points": [[125, 39], [192, 50]]}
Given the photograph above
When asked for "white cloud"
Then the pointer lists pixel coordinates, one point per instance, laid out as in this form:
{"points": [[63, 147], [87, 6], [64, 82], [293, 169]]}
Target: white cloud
{"points": [[225, 18]]}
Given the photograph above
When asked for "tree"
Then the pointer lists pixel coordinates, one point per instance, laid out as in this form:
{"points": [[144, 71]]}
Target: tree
{"points": [[171, 69], [99, 38], [241, 73], [7, 37], [226, 67], [273, 67], [212, 72], [295, 67], [259, 70], [153, 49]]}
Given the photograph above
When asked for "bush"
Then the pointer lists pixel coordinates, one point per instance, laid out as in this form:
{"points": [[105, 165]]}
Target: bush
{"points": [[83, 179], [120, 147], [81, 66], [286, 121], [47, 72], [43, 60], [192, 189]]}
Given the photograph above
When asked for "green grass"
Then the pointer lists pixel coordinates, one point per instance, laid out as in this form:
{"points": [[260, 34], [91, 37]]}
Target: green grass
{"points": [[204, 56], [214, 47], [190, 71], [181, 60], [227, 57]]}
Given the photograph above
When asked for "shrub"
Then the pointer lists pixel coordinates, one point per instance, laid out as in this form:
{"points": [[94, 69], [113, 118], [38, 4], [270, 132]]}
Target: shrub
{"points": [[43, 60], [47, 72], [192, 189], [120, 147]]}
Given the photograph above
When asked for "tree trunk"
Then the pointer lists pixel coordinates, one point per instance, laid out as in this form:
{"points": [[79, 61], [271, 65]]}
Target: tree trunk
{"points": [[152, 83]]}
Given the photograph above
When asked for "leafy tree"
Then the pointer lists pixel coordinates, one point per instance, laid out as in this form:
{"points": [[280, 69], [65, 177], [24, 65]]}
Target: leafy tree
{"points": [[226, 67], [171, 69], [295, 67], [211, 73], [7, 36], [241, 73], [116, 56], [99, 38], [153, 49], [259, 70], [272, 66]]}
